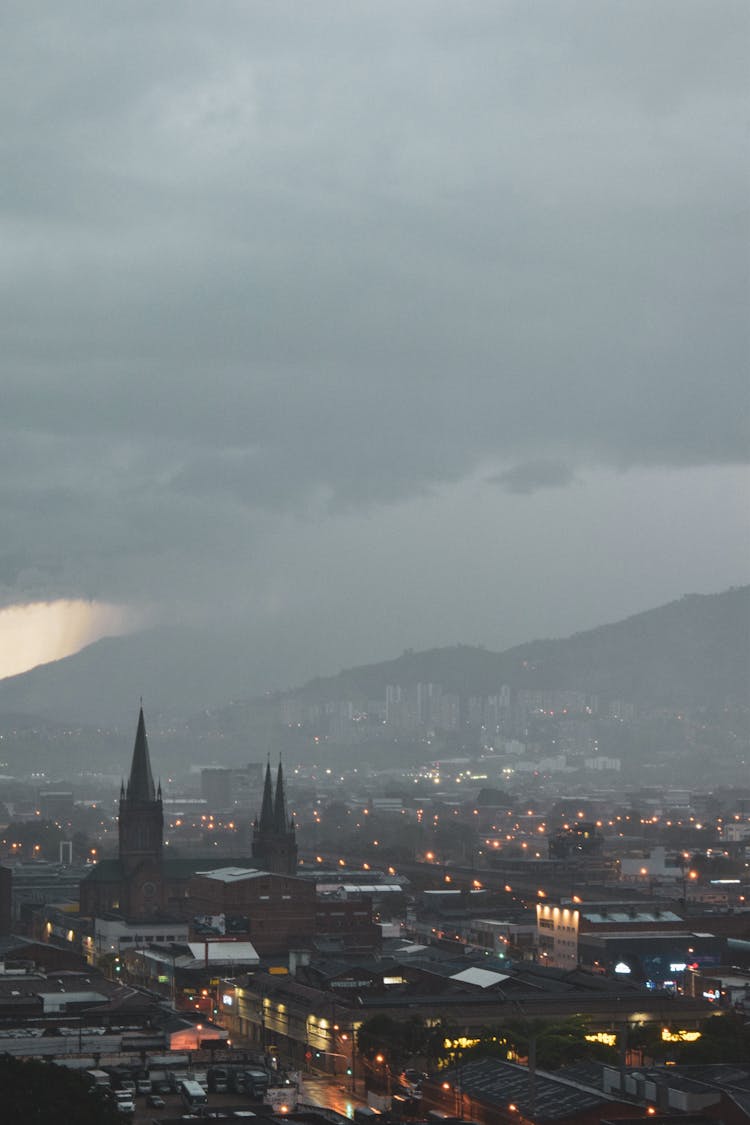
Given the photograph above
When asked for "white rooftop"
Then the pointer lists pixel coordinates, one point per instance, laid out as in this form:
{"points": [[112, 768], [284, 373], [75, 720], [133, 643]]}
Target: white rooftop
{"points": [[232, 874], [360, 888], [482, 978], [224, 951]]}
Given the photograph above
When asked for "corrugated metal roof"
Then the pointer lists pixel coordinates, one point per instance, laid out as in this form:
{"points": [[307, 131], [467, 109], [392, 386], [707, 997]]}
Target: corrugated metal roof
{"points": [[634, 917], [223, 951]]}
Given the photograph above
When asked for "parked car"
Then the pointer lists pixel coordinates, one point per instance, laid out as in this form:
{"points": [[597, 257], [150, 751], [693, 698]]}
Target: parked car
{"points": [[411, 1080]]}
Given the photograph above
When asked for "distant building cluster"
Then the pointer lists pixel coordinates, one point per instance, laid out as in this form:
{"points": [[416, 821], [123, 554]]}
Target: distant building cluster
{"points": [[423, 708]]}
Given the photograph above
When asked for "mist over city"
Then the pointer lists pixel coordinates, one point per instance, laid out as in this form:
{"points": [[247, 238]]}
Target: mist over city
{"points": [[374, 603]]}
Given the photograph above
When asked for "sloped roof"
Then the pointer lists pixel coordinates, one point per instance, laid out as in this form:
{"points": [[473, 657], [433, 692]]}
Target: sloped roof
{"points": [[224, 952], [498, 1083], [482, 978]]}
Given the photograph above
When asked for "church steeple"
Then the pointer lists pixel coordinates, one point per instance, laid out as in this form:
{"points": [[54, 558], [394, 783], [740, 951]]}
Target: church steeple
{"points": [[141, 781], [274, 842], [266, 823], [141, 833], [280, 818]]}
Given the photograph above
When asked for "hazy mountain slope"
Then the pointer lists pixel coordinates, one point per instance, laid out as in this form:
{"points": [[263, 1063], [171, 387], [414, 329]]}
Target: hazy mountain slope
{"points": [[176, 670], [695, 650]]}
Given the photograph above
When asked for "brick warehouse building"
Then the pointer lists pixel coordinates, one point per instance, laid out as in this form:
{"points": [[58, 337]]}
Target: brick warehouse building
{"points": [[274, 912]]}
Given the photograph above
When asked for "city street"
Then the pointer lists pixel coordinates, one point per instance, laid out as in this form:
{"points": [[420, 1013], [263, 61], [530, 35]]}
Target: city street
{"points": [[330, 1093]]}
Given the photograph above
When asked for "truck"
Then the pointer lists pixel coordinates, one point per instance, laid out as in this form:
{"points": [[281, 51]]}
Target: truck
{"points": [[176, 1078], [255, 1081], [159, 1080], [201, 1077], [99, 1078], [124, 1101], [143, 1083], [218, 1079], [192, 1093]]}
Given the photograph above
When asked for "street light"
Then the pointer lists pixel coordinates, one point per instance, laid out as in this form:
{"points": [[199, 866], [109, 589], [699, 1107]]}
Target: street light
{"points": [[382, 1061], [344, 1035]]}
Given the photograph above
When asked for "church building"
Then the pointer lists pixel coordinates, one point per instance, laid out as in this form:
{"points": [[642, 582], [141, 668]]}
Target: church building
{"points": [[141, 884], [274, 838]]}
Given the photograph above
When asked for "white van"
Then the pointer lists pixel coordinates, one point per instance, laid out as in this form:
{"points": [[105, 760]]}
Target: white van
{"points": [[192, 1093]]}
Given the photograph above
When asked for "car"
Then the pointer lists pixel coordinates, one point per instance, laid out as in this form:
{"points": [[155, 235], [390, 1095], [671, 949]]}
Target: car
{"points": [[411, 1080], [156, 1101]]}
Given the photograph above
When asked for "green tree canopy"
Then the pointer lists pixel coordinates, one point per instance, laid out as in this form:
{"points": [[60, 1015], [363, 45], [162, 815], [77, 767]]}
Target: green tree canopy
{"points": [[724, 1039], [545, 1043], [402, 1042]]}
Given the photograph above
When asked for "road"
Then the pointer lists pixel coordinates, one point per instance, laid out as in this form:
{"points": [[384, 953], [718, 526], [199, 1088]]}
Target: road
{"points": [[330, 1094]]}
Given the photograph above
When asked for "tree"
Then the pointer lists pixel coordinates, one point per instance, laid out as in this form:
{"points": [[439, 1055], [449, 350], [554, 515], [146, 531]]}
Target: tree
{"points": [[724, 1039], [549, 1044], [403, 1042], [41, 1093]]}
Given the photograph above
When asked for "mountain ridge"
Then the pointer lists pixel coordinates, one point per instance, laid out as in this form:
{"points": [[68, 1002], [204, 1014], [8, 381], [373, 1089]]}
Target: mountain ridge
{"points": [[694, 650]]}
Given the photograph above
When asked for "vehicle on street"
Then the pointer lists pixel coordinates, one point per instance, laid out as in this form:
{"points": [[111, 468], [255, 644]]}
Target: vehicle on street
{"points": [[124, 1101], [142, 1084], [99, 1078], [192, 1093], [256, 1081], [218, 1079]]}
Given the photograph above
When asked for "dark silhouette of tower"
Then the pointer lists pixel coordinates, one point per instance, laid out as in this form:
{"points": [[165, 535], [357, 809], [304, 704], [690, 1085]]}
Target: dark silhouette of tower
{"points": [[141, 834], [274, 838]]}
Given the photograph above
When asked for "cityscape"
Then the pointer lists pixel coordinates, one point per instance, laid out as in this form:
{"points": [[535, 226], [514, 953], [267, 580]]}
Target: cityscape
{"points": [[530, 928], [374, 603]]}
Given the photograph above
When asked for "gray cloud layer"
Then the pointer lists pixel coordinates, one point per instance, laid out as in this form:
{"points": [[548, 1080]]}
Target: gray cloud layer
{"points": [[288, 260]]}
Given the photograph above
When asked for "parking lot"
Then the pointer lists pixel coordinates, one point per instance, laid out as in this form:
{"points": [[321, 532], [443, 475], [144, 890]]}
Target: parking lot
{"points": [[175, 1107]]}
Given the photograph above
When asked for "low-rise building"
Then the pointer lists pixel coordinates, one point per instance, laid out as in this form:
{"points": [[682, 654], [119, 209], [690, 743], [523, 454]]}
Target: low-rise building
{"points": [[557, 935], [490, 1091]]}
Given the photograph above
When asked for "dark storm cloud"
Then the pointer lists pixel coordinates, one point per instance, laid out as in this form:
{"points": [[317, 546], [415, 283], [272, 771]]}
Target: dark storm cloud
{"points": [[292, 260], [532, 475]]}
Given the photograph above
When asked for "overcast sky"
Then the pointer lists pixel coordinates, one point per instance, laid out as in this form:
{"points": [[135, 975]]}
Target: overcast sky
{"points": [[396, 323]]}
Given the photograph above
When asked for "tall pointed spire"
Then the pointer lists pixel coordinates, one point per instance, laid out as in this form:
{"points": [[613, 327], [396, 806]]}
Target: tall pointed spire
{"points": [[274, 843], [280, 819], [141, 781], [266, 812]]}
